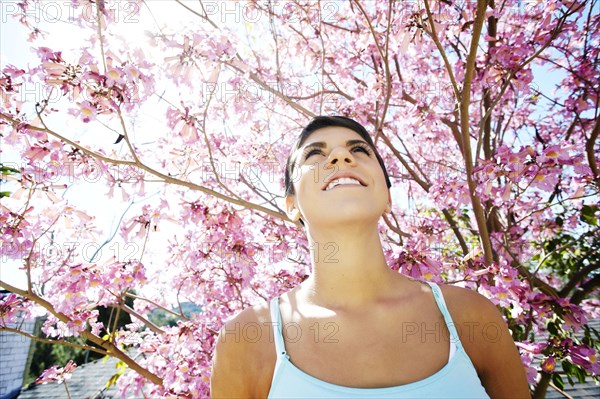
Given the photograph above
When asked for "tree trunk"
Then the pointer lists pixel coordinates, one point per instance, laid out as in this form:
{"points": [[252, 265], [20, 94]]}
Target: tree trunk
{"points": [[542, 387]]}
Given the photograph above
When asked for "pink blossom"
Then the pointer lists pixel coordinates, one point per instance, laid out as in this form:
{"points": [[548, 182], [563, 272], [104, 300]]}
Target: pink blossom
{"points": [[10, 307], [545, 179], [585, 357], [87, 111], [184, 124], [36, 153], [549, 364], [253, 87], [46, 54], [114, 76], [57, 374], [55, 71], [534, 348]]}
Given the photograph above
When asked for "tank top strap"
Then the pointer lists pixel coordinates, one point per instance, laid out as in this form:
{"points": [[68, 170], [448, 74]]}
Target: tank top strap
{"points": [[439, 299], [276, 323]]}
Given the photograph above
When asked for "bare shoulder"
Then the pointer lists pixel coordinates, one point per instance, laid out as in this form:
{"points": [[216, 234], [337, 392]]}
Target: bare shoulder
{"points": [[467, 305], [257, 314], [244, 355], [478, 321], [487, 340]]}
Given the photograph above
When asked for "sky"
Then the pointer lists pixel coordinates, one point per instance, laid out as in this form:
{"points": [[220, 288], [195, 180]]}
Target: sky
{"points": [[133, 22], [15, 49]]}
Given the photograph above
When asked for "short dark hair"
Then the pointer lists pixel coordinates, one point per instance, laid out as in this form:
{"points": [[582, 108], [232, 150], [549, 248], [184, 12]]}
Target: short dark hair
{"points": [[320, 122]]}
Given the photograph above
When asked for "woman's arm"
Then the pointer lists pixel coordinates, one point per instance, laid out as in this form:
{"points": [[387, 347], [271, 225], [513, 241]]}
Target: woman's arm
{"points": [[244, 357], [227, 376], [488, 342]]}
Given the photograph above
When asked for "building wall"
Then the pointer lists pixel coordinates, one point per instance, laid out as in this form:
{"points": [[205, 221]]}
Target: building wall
{"points": [[14, 349]]}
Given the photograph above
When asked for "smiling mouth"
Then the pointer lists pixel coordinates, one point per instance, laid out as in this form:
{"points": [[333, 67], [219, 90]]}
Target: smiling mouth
{"points": [[343, 181]]}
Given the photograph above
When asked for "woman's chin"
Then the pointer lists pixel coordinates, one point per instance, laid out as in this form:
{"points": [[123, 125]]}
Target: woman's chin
{"points": [[345, 217]]}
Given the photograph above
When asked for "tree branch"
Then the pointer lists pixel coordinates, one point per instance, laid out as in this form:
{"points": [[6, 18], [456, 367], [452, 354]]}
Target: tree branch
{"points": [[165, 178], [153, 327], [590, 152], [109, 347], [465, 133], [384, 57], [542, 386], [438, 44], [54, 341], [425, 185], [585, 289]]}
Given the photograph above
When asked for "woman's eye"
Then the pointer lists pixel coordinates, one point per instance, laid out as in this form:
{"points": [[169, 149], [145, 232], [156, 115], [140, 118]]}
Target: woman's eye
{"points": [[311, 153], [363, 149]]}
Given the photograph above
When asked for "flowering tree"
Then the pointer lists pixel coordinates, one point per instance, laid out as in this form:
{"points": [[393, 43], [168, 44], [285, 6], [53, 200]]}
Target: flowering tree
{"points": [[185, 125]]}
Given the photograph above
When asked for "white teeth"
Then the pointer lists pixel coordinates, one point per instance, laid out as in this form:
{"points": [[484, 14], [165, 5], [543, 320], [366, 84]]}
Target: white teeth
{"points": [[343, 180]]}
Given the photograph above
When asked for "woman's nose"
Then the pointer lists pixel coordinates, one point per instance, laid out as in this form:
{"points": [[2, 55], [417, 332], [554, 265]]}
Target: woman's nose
{"points": [[339, 154]]}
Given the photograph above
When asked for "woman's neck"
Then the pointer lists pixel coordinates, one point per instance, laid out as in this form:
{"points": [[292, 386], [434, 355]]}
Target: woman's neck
{"points": [[349, 267]]}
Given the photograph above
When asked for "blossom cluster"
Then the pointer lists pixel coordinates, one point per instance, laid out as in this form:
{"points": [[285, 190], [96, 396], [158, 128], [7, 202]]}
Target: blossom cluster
{"points": [[138, 113]]}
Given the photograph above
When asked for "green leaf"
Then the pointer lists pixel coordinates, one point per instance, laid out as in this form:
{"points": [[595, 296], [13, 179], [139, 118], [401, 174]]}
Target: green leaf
{"points": [[588, 215], [7, 170], [552, 328], [570, 379], [592, 331], [5, 194], [559, 221], [557, 380], [113, 380], [567, 367], [580, 373]]}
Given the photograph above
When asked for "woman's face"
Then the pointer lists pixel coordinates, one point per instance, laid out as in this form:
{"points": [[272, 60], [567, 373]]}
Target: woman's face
{"points": [[321, 197]]}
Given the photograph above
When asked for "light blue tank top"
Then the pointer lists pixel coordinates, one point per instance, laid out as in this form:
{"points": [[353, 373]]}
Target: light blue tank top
{"points": [[457, 379]]}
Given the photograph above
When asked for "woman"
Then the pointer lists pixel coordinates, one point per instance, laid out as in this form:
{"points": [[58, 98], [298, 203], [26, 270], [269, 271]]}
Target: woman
{"points": [[356, 328]]}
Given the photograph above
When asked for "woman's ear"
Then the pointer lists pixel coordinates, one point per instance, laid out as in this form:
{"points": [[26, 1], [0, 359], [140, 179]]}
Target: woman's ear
{"points": [[290, 207], [388, 208]]}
